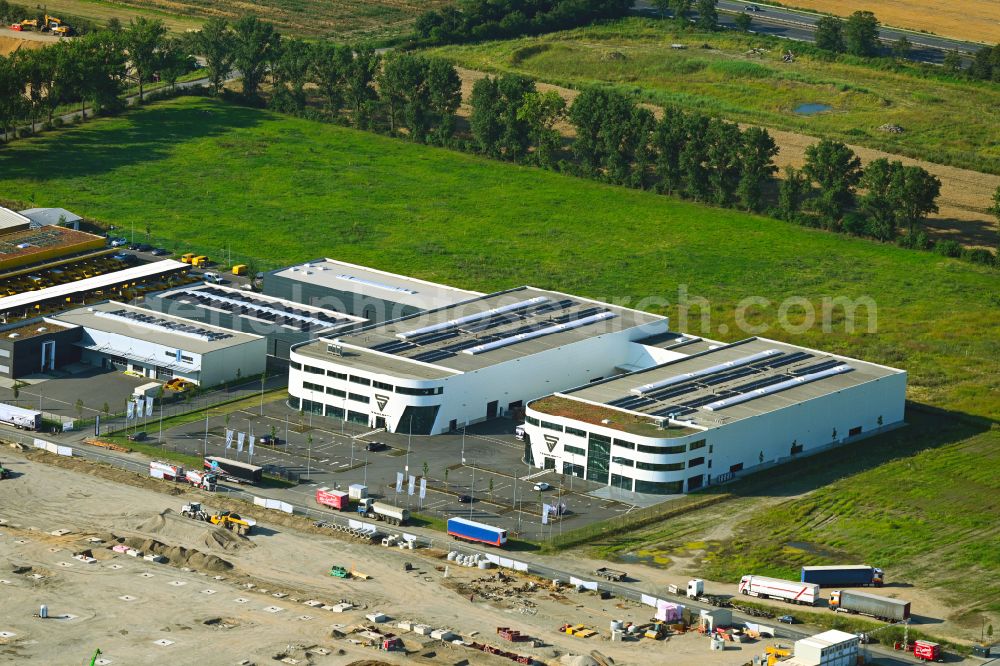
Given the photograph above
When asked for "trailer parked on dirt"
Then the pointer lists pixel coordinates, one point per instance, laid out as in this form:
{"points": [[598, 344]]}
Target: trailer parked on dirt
{"points": [[866, 603], [776, 588], [852, 575], [611, 574]]}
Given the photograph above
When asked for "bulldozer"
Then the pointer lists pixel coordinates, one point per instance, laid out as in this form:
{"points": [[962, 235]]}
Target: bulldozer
{"points": [[194, 510], [233, 521]]}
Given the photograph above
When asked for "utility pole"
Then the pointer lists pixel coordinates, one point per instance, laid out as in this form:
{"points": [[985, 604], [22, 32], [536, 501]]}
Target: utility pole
{"points": [[472, 490], [463, 445], [205, 447], [263, 376]]}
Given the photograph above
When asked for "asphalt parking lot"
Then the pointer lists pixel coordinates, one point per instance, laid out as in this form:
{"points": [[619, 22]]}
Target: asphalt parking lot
{"points": [[58, 396], [322, 451]]}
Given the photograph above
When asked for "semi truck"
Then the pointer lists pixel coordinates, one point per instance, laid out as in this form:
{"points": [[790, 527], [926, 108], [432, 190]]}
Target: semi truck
{"points": [[204, 480], [335, 499], [234, 470], [470, 530], [166, 471], [852, 575], [393, 515], [23, 419], [866, 603], [775, 588]]}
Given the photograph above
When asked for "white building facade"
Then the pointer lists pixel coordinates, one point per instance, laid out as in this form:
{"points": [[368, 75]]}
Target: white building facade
{"points": [[617, 433]]}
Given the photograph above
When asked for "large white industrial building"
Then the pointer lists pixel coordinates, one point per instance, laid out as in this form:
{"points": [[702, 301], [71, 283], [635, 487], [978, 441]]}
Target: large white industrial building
{"points": [[718, 410], [160, 346], [442, 369]]}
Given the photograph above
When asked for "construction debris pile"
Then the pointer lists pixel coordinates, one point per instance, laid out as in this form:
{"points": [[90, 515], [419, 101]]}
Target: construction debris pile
{"points": [[503, 589]]}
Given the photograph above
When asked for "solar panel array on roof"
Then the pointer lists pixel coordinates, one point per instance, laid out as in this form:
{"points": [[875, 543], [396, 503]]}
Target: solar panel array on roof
{"points": [[167, 325], [484, 331], [763, 369], [239, 304]]}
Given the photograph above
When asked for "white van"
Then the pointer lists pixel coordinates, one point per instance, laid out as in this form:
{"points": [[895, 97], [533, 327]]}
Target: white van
{"points": [[212, 277]]}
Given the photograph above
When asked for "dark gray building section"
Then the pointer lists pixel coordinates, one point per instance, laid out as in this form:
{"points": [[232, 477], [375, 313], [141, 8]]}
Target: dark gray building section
{"points": [[284, 323], [37, 345], [375, 295]]}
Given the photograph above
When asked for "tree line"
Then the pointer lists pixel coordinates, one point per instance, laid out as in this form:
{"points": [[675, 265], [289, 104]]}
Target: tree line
{"points": [[475, 20], [95, 68]]}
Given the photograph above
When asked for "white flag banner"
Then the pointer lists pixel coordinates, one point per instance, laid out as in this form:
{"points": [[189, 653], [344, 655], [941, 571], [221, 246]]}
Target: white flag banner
{"points": [[399, 482], [545, 514], [229, 439], [240, 437], [130, 413], [250, 450], [149, 405], [423, 488], [413, 483]]}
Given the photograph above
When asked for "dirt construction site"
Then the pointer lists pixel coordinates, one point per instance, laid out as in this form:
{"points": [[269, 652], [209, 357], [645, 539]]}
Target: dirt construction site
{"points": [[118, 568]]}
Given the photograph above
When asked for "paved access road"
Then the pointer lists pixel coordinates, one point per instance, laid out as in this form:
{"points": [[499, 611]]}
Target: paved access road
{"points": [[801, 26]]}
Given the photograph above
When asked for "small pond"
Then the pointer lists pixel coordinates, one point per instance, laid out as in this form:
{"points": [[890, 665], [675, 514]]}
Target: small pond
{"points": [[811, 109]]}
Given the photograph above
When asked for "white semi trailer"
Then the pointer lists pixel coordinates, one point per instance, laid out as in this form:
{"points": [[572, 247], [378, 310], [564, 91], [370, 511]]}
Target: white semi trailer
{"points": [[776, 588]]}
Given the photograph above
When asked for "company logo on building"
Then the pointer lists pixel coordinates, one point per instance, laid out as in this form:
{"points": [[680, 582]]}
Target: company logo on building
{"points": [[381, 401], [551, 441]]}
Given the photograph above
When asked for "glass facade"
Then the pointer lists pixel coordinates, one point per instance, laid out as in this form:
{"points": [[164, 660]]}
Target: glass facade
{"points": [[418, 420], [598, 458], [659, 487]]}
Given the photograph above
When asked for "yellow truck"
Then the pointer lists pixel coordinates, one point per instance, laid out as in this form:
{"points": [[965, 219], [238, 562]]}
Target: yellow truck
{"points": [[200, 261], [240, 269]]}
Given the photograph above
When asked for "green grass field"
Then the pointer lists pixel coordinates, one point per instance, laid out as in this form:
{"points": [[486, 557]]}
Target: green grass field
{"points": [[955, 123], [214, 177]]}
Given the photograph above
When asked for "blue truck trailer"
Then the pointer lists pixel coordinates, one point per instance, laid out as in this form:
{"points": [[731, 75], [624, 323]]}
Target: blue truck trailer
{"points": [[470, 530], [854, 575]]}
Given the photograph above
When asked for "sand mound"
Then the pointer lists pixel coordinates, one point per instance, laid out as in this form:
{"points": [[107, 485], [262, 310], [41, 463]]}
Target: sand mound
{"points": [[224, 539], [178, 555]]}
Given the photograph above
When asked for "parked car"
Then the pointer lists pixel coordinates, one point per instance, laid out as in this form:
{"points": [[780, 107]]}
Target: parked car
{"points": [[159, 252], [787, 619], [117, 242], [375, 446], [465, 499], [214, 278], [137, 436], [541, 485], [143, 247], [269, 440], [122, 256]]}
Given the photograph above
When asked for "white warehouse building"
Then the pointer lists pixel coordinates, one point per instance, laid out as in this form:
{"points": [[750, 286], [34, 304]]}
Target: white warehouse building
{"points": [[161, 346], [439, 370], [710, 413]]}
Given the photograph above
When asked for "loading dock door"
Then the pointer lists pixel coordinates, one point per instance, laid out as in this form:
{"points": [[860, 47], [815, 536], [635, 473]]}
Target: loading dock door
{"points": [[491, 409], [49, 355]]}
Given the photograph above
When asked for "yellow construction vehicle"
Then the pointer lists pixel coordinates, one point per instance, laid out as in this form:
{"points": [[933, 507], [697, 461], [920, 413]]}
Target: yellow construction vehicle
{"points": [[26, 24], [56, 26], [656, 631], [776, 653], [233, 521]]}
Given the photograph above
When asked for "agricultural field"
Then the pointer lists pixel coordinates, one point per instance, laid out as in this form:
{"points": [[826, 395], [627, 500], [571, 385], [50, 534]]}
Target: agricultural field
{"points": [[947, 122], [974, 20], [346, 19]]}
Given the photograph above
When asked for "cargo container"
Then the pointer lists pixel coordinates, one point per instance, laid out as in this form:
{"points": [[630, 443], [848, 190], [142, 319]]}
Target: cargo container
{"points": [[335, 499], [775, 588], [859, 575], [166, 471], [926, 650], [234, 470], [393, 515], [357, 491], [469, 530], [24, 419], [866, 603]]}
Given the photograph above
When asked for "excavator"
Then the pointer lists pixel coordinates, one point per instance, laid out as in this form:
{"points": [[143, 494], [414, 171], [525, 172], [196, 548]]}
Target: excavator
{"points": [[93, 660], [56, 26], [228, 519], [26, 24]]}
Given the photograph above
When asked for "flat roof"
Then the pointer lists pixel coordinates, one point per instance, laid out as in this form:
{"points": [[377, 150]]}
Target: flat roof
{"points": [[47, 216], [828, 638], [727, 382], [33, 241], [31, 329], [155, 327], [374, 283], [488, 330], [9, 218], [270, 310], [140, 272]]}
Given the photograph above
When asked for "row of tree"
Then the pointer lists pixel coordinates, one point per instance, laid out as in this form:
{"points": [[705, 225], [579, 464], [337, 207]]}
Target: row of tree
{"points": [[96, 68], [475, 20]]}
